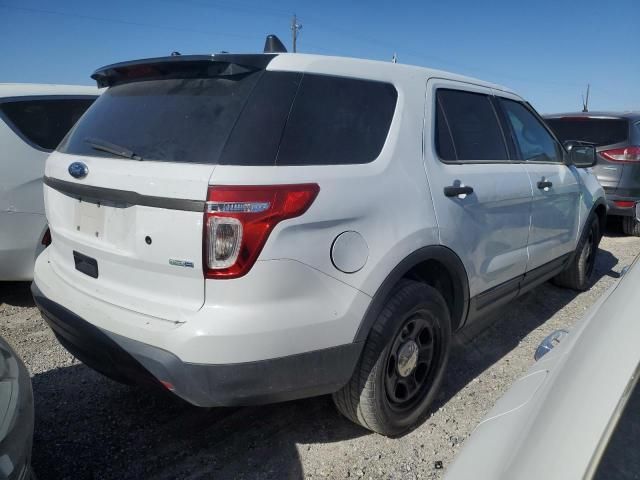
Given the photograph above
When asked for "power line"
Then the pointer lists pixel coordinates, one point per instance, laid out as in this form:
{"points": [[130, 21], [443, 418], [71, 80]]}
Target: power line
{"points": [[295, 27], [128, 22]]}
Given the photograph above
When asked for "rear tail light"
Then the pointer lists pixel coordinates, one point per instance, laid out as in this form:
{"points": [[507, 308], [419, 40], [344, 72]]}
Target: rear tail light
{"points": [[628, 154], [46, 238], [239, 219], [624, 203]]}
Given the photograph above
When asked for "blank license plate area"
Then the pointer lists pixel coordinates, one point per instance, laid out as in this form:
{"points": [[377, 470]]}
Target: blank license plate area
{"points": [[89, 218]]}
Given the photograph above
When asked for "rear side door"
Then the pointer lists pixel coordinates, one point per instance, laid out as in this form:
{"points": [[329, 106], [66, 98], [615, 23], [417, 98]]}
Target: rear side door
{"points": [[556, 189], [488, 226]]}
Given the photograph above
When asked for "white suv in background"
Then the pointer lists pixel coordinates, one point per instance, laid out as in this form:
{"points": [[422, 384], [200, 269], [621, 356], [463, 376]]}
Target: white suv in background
{"points": [[33, 120], [243, 229]]}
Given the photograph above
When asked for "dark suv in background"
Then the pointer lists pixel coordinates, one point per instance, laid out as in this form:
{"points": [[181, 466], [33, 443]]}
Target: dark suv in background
{"points": [[616, 137]]}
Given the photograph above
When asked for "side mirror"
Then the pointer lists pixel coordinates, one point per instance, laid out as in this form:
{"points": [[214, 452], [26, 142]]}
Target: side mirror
{"points": [[581, 155]]}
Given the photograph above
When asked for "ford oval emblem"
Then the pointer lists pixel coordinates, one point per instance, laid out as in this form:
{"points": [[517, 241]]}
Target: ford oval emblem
{"points": [[78, 170]]}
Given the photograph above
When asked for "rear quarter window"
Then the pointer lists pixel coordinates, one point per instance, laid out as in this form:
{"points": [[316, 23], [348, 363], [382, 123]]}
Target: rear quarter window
{"points": [[597, 131], [337, 121], [44, 122]]}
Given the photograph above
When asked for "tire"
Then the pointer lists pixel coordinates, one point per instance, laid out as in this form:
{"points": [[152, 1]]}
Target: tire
{"points": [[578, 274], [394, 384], [631, 226]]}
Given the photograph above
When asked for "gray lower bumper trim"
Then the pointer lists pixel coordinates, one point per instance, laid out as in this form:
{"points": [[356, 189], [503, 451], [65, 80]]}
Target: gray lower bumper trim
{"points": [[266, 381]]}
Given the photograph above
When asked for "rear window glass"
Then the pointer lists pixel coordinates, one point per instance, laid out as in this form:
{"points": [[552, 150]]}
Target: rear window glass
{"points": [[597, 131], [174, 120], [259, 118], [337, 121], [473, 124], [44, 123]]}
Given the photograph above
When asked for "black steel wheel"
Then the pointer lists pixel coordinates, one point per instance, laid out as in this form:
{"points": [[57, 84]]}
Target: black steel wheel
{"points": [[412, 361], [402, 363]]}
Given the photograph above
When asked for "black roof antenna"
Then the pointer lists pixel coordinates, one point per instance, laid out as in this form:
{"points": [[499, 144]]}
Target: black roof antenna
{"points": [[273, 45]]}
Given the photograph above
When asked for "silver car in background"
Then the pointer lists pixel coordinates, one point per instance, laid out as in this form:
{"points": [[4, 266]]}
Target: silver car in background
{"points": [[616, 137], [576, 413]]}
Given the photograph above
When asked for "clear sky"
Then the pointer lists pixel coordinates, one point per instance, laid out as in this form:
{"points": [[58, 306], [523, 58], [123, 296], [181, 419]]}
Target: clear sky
{"points": [[546, 50]]}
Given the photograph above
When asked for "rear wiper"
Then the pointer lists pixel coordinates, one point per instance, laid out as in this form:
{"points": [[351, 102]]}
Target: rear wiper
{"points": [[112, 148]]}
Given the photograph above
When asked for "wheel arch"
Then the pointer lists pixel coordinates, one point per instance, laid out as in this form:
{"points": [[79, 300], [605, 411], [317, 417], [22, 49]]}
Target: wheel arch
{"points": [[435, 265]]}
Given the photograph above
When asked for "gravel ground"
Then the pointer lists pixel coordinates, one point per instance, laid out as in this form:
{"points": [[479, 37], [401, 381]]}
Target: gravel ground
{"points": [[88, 427]]}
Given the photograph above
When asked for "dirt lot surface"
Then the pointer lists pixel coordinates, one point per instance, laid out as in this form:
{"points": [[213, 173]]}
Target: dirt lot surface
{"points": [[88, 427]]}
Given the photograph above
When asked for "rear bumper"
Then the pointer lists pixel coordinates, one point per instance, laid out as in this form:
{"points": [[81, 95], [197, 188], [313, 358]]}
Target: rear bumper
{"points": [[614, 209], [248, 383]]}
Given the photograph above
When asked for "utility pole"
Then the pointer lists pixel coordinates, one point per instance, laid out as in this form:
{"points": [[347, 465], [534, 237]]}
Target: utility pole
{"points": [[295, 30], [585, 102]]}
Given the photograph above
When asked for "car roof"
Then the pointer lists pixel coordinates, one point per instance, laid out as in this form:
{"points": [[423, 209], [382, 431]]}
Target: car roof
{"points": [[632, 115], [310, 62], [41, 89], [302, 62]]}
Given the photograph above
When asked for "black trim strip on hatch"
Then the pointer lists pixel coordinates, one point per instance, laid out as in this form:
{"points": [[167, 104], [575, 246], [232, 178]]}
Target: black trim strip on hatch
{"points": [[128, 198]]}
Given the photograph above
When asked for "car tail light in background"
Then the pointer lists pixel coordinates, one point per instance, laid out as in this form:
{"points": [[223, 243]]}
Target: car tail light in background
{"points": [[628, 154], [46, 238], [624, 203], [239, 219]]}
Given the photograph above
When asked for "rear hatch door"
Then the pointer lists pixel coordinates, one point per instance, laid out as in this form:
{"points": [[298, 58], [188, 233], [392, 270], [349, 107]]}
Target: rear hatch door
{"points": [[125, 192]]}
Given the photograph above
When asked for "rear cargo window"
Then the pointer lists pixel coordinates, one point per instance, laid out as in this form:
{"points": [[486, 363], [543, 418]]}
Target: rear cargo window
{"points": [[259, 118], [337, 120], [44, 122], [597, 131], [173, 120]]}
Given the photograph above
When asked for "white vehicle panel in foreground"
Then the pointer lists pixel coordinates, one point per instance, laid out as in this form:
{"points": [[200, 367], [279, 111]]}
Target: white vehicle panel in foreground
{"points": [[551, 422]]}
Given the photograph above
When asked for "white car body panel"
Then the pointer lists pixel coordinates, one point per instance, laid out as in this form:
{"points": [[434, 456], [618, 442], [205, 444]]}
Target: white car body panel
{"points": [[490, 229], [22, 216], [551, 422]]}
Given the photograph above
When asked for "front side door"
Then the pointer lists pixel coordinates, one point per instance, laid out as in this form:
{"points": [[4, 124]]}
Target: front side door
{"points": [[555, 186], [482, 199]]}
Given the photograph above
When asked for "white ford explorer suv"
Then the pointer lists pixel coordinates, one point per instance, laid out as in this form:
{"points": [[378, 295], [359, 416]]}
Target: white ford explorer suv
{"points": [[244, 229]]}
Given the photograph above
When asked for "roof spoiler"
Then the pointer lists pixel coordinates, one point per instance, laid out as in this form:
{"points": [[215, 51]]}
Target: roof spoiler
{"points": [[180, 66]]}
